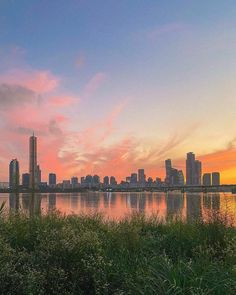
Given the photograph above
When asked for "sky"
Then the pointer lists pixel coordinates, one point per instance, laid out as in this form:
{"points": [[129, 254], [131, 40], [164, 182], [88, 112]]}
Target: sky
{"points": [[112, 86]]}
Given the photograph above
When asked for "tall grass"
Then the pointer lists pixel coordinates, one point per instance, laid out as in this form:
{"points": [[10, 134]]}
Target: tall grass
{"points": [[55, 254]]}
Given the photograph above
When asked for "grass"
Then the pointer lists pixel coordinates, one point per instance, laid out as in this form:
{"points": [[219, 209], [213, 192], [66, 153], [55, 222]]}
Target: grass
{"points": [[55, 254]]}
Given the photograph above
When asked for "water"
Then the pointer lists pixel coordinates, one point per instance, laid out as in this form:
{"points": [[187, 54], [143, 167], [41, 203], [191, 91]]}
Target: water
{"points": [[120, 205]]}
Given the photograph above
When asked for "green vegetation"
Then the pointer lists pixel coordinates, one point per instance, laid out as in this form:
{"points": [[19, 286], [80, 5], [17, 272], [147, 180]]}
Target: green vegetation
{"points": [[87, 255]]}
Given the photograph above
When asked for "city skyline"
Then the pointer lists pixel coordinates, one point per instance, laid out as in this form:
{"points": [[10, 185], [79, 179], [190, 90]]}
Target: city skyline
{"points": [[173, 177], [112, 86]]}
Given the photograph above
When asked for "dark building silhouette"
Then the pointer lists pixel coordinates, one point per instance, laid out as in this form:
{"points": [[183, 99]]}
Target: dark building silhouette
{"points": [[193, 170], [106, 181], [215, 178], [113, 181], [173, 175], [74, 182], [52, 179], [134, 178], [141, 176], [206, 179], [33, 170], [25, 180], [168, 171], [14, 174]]}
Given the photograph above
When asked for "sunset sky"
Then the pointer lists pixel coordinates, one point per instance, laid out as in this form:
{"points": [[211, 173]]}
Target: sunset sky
{"points": [[112, 86]]}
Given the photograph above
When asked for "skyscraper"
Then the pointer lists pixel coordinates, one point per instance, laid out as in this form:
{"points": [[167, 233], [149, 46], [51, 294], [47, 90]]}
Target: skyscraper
{"points": [[38, 175], [52, 179], [193, 170], [190, 165], [14, 174], [133, 178], [33, 162], [206, 179], [168, 171], [141, 176], [197, 173], [25, 180], [74, 182], [215, 178], [106, 181]]}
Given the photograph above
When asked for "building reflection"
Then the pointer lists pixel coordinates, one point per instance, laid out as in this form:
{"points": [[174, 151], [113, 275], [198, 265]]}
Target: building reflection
{"points": [[52, 202], [211, 201], [174, 204], [32, 203], [193, 206], [136, 201], [90, 200], [14, 202]]}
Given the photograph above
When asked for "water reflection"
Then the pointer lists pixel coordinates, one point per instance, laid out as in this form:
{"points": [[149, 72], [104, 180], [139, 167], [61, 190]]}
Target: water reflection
{"points": [[118, 205]]}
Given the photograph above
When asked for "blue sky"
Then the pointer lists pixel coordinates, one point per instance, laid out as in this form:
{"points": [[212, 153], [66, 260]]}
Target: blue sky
{"points": [[163, 69]]}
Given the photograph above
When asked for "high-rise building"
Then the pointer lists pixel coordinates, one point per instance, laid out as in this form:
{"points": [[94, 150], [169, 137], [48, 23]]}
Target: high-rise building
{"points": [[215, 178], [134, 178], [193, 170], [33, 162], [25, 180], [14, 174], [96, 180], [66, 184], [180, 177], [168, 171], [52, 179], [197, 173], [113, 181], [74, 182], [190, 167], [206, 179], [39, 175], [106, 181], [141, 176]]}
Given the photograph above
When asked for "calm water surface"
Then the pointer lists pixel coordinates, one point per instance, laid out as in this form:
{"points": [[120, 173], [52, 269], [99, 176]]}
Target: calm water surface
{"points": [[120, 205]]}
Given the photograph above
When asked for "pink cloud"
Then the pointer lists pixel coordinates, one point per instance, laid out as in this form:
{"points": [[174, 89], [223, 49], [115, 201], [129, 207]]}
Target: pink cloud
{"points": [[94, 83], [35, 80], [62, 100]]}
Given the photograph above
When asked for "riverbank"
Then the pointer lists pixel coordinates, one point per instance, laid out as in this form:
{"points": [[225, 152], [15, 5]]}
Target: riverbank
{"points": [[54, 254]]}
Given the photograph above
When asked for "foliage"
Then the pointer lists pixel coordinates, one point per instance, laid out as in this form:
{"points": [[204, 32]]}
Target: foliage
{"points": [[56, 254]]}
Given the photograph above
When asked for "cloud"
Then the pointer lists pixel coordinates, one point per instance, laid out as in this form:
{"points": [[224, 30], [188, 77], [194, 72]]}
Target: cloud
{"points": [[54, 128], [61, 101], [94, 83], [15, 95], [165, 29], [79, 61], [35, 80]]}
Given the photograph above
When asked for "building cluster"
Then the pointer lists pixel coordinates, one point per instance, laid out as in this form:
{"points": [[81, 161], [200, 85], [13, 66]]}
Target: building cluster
{"points": [[174, 177]]}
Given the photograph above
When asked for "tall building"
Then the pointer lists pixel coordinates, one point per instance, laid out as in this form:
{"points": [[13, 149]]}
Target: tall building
{"points": [[197, 173], [74, 182], [113, 181], [134, 178], [141, 176], [39, 175], [52, 179], [25, 180], [14, 174], [33, 162], [168, 171], [206, 179], [180, 177], [190, 167], [215, 178], [106, 181], [193, 170], [96, 180]]}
